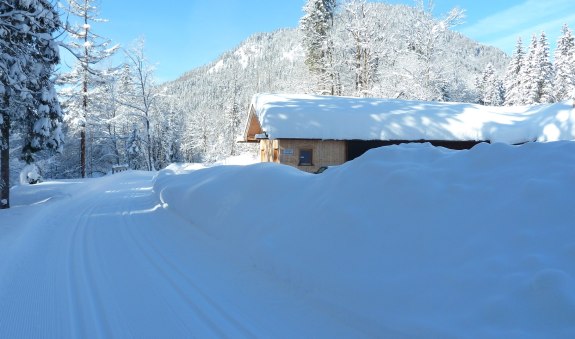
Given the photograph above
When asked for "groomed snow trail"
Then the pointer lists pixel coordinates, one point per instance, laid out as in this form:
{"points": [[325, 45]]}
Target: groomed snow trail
{"points": [[105, 259], [408, 241]]}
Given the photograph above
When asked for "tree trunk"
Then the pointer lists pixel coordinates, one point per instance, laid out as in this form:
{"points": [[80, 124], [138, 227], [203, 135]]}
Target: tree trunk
{"points": [[83, 131], [112, 131], [84, 94], [83, 152], [149, 140], [5, 164]]}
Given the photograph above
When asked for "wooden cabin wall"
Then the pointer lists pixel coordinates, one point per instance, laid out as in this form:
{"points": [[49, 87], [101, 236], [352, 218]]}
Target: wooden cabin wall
{"points": [[269, 151], [325, 153]]}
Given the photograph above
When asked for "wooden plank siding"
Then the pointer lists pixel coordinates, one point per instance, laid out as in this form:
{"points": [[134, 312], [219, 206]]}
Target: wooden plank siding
{"points": [[287, 152]]}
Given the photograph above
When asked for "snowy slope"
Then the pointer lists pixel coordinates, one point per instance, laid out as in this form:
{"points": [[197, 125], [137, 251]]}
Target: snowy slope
{"points": [[407, 241], [302, 116]]}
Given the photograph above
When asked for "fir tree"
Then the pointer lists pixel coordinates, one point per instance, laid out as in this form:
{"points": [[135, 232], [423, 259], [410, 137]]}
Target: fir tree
{"points": [[134, 149], [490, 88], [528, 76], [28, 103], [512, 82], [564, 82], [544, 72], [316, 25], [537, 73]]}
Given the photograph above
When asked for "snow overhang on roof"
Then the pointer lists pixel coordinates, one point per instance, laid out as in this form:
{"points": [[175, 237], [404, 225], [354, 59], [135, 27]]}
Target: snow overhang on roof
{"points": [[299, 116], [261, 136]]}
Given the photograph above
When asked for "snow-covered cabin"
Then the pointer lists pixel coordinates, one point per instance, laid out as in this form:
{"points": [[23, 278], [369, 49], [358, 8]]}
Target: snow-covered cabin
{"points": [[311, 131]]}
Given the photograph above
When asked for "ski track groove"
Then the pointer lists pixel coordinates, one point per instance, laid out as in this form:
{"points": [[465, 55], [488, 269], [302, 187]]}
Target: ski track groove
{"points": [[75, 309], [81, 280], [198, 292], [124, 230], [165, 276], [180, 281], [36, 310], [128, 238]]}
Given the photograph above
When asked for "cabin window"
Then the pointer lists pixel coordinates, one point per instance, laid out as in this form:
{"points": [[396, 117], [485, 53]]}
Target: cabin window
{"points": [[305, 157]]}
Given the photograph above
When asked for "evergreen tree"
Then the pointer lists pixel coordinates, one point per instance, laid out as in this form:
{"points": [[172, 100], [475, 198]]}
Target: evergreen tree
{"points": [[490, 88], [564, 82], [28, 103], [528, 76], [134, 149], [233, 122], [317, 25], [537, 73], [512, 82], [544, 72]]}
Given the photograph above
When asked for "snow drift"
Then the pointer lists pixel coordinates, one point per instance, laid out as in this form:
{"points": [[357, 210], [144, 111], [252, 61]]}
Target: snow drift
{"points": [[408, 240]]}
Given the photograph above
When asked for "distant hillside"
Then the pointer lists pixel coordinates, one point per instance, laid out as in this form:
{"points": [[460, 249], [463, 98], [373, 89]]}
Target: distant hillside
{"points": [[274, 62], [264, 62]]}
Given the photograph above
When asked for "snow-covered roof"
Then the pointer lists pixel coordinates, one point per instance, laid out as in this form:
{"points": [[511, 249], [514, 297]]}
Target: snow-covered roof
{"points": [[299, 116]]}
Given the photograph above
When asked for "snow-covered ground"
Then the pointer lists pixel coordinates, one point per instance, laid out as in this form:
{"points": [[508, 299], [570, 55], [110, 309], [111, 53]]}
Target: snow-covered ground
{"points": [[406, 241]]}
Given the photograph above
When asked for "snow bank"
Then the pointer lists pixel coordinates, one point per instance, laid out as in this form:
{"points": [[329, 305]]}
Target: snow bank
{"points": [[348, 118], [26, 195], [30, 174], [409, 239], [242, 159]]}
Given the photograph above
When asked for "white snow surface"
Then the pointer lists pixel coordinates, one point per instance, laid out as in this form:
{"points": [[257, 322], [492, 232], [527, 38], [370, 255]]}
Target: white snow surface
{"points": [[407, 241], [247, 52], [301, 116], [217, 67], [30, 174]]}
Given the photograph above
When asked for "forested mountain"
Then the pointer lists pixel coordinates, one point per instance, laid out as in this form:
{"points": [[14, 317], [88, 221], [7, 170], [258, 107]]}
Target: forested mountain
{"points": [[214, 97], [404, 44]]}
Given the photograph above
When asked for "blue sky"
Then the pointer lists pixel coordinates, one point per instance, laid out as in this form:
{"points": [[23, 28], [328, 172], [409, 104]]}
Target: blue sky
{"points": [[183, 34]]}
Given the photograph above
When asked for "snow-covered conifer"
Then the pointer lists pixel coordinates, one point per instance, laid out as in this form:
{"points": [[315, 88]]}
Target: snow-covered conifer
{"points": [[537, 73], [490, 88], [316, 25], [545, 72], [528, 75], [512, 82], [232, 119], [134, 149], [564, 83], [28, 103]]}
